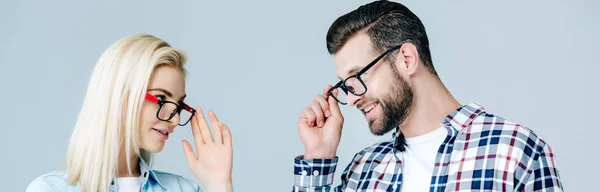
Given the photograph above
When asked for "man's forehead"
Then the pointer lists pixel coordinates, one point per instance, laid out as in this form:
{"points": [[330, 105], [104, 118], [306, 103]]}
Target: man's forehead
{"points": [[353, 56]]}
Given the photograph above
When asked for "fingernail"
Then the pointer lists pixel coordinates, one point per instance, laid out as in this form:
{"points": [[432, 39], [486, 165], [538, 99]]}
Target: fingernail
{"points": [[327, 113], [320, 124]]}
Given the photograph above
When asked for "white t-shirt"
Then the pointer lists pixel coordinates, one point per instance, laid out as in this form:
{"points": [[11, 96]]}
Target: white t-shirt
{"points": [[129, 184], [419, 159]]}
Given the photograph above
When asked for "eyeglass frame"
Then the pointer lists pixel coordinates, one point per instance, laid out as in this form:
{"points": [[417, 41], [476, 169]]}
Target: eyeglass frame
{"points": [[178, 108], [342, 83]]}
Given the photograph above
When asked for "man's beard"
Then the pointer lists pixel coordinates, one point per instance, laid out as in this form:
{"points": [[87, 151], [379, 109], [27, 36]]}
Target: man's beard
{"points": [[396, 106]]}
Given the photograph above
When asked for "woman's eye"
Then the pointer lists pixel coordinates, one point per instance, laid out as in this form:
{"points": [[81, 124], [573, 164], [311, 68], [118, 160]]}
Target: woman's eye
{"points": [[160, 97]]}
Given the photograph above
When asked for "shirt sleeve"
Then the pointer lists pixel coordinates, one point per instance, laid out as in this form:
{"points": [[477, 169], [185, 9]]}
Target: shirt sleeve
{"points": [[40, 185], [544, 175], [314, 175]]}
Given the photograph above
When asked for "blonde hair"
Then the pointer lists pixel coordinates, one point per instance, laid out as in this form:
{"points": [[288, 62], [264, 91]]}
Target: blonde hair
{"points": [[111, 109]]}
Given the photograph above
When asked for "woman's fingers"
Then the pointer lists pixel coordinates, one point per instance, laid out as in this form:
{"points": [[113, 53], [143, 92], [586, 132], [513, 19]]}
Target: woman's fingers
{"points": [[216, 128], [203, 126]]}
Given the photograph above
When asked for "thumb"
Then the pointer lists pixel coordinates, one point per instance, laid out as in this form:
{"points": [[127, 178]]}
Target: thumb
{"points": [[189, 152]]}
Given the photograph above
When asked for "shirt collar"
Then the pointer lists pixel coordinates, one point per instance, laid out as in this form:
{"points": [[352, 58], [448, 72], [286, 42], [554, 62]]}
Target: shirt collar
{"points": [[459, 119], [148, 174], [463, 116]]}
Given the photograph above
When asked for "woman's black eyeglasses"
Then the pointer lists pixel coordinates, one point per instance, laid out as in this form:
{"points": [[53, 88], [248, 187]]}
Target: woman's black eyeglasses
{"points": [[167, 110]]}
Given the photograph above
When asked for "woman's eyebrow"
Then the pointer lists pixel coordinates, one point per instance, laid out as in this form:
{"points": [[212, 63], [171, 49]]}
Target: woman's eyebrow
{"points": [[169, 94]]}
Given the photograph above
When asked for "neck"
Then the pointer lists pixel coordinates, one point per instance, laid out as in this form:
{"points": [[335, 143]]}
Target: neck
{"points": [[123, 171], [431, 104]]}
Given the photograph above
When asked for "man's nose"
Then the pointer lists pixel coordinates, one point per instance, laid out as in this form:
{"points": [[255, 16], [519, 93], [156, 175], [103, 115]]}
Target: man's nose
{"points": [[353, 99]]}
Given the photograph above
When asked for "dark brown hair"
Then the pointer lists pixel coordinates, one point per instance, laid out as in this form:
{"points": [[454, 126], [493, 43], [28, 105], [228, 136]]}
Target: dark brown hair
{"points": [[387, 24]]}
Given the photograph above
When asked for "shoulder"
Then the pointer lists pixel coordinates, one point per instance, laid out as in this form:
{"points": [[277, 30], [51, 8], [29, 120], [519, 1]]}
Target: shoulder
{"points": [[508, 135], [52, 181], [170, 180]]}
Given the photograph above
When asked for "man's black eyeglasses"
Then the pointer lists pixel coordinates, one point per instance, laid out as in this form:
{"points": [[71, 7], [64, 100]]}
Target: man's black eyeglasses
{"points": [[354, 84]]}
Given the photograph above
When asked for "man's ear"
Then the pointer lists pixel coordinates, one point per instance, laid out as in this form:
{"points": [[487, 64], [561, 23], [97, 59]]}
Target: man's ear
{"points": [[407, 59]]}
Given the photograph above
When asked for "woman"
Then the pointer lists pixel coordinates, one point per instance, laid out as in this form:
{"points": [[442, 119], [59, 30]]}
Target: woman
{"points": [[134, 101]]}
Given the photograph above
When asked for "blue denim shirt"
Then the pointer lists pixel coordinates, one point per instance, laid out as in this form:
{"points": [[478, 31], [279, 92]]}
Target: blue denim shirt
{"points": [[154, 181]]}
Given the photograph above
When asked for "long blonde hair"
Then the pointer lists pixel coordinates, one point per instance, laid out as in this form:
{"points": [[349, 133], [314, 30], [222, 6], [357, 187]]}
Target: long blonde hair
{"points": [[110, 113]]}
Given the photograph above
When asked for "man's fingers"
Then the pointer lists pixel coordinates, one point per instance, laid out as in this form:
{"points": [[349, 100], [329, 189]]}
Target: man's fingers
{"points": [[318, 113], [215, 126], [310, 116], [326, 91], [334, 107], [324, 105]]}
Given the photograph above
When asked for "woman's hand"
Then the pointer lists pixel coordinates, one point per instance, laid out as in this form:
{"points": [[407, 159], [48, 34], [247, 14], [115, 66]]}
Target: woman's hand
{"points": [[212, 162]]}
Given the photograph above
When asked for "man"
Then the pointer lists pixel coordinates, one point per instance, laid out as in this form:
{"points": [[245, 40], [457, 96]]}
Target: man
{"points": [[382, 56]]}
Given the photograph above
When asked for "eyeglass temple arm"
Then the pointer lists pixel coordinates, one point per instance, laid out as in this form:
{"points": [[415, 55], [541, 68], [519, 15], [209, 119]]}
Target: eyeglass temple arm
{"points": [[379, 58], [188, 108], [151, 98]]}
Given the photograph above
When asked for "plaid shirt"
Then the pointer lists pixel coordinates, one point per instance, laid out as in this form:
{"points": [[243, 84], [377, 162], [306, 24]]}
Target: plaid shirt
{"points": [[481, 152]]}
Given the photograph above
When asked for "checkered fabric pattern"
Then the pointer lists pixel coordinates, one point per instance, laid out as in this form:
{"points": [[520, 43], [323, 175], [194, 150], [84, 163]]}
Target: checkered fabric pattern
{"points": [[481, 152]]}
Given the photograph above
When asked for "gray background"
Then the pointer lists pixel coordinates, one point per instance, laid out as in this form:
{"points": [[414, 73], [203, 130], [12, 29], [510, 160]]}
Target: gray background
{"points": [[258, 63]]}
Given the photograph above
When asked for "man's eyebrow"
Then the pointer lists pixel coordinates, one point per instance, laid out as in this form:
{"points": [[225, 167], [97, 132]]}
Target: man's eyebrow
{"points": [[169, 94], [352, 71]]}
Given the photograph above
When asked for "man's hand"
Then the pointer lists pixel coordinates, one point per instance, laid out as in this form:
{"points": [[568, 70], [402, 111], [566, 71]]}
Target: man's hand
{"points": [[320, 126]]}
